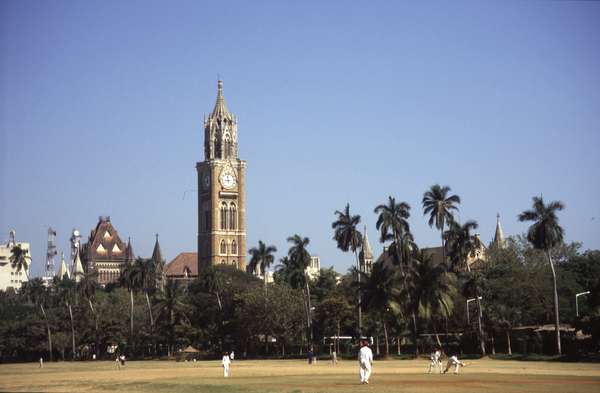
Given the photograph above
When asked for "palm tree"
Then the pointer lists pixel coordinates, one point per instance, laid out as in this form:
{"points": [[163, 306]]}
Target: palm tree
{"points": [[171, 308], [348, 237], [66, 288], [286, 271], [147, 278], [262, 257], [544, 234], [382, 291], [440, 206], [461, 244], [212, 283], [38, 293], [392, 220], [300, 258], [20, 259], [435, 288], [86, 287], [132, 280]]}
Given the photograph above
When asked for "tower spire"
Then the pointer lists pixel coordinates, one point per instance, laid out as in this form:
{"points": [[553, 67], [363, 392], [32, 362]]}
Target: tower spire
{"points": [[499, 235], [220, 110], [63, 267], [366, 254]]}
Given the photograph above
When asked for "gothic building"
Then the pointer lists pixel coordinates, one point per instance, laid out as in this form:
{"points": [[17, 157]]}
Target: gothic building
{"points": [[221, 191], [105, 253]]}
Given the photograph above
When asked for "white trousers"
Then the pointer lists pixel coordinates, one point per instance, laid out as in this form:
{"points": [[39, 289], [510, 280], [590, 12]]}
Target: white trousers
{"points": [[365, 372], [455, 364], [434, 364], [226, 371]]}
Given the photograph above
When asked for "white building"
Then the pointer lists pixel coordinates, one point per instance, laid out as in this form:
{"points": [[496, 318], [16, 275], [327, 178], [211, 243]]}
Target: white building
{"points": [[313, 271], [9, 276]]}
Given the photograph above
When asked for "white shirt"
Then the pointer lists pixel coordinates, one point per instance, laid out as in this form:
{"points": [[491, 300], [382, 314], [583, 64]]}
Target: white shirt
{"points": [[226, 361], [453, 359], [365, 356], [436, 356]]}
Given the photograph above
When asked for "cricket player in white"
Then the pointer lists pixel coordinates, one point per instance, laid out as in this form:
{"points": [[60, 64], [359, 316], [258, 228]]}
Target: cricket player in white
{"points": [[435, 360], [453, 361], [365, 360], [226, 362]]}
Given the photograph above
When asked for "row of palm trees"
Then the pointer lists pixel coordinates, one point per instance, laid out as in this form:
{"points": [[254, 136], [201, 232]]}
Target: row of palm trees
{"points": [[139, 276], [423, 288]]}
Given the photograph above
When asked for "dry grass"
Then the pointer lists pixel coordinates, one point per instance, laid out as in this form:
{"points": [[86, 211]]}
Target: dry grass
{"points": [[293, 376]]}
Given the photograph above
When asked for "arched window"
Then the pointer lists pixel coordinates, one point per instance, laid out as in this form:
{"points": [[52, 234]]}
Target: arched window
{"points": [[224, 215], [232, 216], [228, 146], [233, 247], [223, 248]]}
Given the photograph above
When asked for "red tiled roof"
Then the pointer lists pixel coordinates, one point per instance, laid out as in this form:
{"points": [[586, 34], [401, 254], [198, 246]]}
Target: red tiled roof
{"points": [[177, 267]]}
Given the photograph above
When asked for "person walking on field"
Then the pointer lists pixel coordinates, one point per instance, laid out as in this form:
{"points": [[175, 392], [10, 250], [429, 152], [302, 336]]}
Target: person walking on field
{"points": [[365, 360], [226, 362], [453, 361]]}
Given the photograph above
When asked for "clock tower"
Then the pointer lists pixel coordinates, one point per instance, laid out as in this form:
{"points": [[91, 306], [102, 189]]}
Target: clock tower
{"points": [[221, 192]]}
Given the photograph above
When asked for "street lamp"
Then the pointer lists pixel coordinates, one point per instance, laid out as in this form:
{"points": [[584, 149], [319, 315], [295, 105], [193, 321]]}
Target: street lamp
{"points": [[468, 301], [576, 298]]}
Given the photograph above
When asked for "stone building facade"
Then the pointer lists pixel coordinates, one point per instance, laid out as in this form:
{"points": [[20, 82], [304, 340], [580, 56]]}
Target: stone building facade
{"points": [[105, 252], [221, 191]]}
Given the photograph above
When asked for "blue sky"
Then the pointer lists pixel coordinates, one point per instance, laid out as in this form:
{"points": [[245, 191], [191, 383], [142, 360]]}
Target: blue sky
{"points": [[101, 108]]}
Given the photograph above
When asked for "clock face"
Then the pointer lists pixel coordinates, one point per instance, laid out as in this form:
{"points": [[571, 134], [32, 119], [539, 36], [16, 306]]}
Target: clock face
{"points": [[227, 180], [206, 181]]}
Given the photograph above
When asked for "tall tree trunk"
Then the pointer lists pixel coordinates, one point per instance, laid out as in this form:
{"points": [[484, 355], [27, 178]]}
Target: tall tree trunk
{"points": [[48, 332], [443, 247], [310, 329], [359, 294], [556, 317], [96, 340], [398, 338], [493, 344], [387, 342], [437, 336], [149, 311], [415, 336], [151, 320], [72, 329], [337, 339], [377, 344], [508, 341], [131, 320], [479, 327]]}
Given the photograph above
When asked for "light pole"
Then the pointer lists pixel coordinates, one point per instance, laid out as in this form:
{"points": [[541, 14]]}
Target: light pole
{"points": [[576, 298], [468, 301]]}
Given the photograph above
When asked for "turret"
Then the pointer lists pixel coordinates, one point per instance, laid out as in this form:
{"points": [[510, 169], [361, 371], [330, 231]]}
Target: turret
{"points": [[499, 235], [63, 272], [366, 254]]}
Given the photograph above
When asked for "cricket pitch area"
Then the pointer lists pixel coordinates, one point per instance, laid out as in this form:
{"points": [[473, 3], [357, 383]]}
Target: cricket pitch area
{"points": [[295, 376]]}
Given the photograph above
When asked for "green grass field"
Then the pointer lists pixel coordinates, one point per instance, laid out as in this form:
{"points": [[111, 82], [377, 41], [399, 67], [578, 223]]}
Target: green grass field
{"points": [[294, 376]]}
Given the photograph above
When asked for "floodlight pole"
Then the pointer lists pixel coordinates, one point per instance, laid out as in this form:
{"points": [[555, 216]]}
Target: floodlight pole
{"points": [[576, 299], [468, 301]]}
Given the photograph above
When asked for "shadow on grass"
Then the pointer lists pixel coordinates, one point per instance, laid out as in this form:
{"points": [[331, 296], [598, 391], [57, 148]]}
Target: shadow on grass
{"points": [[534, 357]]}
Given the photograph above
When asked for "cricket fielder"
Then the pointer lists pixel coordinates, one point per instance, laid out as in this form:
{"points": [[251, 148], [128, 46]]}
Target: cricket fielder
{"points": [[435, 360], [453, 361], [226, 362], [365, 360]]}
